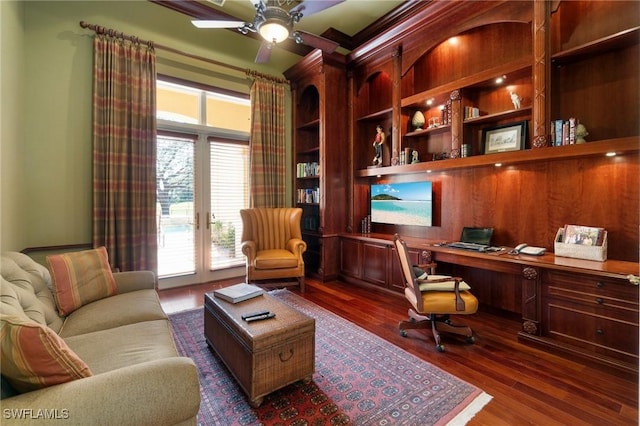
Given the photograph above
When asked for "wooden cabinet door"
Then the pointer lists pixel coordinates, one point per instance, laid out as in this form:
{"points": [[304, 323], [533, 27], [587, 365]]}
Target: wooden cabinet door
{"points": [[375, 263], [351, 258]]}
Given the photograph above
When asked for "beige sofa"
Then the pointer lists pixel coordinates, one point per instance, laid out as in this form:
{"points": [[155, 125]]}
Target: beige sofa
{"points": [[127, 342]]}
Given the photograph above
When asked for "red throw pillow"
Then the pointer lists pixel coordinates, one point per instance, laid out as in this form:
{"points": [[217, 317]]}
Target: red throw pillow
{"points": [[33, 356], [80, 278]]}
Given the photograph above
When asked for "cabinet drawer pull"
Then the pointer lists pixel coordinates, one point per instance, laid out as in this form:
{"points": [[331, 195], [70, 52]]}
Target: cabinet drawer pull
{"points": [[599, 301], [600, 331], [599, 284]]}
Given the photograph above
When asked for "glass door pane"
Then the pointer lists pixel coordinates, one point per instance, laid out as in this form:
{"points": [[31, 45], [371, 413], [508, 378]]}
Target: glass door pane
{"points": [[229, 183], [175, 207]]}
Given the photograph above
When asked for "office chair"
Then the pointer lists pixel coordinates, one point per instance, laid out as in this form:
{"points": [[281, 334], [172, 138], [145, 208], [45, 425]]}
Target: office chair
{"points": [[433, 299]]}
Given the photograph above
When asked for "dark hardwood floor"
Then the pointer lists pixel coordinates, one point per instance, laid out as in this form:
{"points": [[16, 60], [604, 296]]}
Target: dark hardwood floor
{"points": [[529, 386]]}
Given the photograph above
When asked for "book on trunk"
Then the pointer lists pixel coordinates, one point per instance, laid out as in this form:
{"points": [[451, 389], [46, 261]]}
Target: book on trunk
{"points": [[238, 292]]}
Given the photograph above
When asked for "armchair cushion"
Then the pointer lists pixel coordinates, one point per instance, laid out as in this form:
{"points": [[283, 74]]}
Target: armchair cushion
{"points": [[276, 258], [80, 278], [34, 357]]}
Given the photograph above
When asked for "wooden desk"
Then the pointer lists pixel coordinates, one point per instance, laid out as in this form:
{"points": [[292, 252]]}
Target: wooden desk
{"points": [[580, 307]]}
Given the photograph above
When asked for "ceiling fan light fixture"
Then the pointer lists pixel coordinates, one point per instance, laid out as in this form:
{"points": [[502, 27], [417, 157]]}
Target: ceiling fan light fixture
{"points": [[273, 31]]}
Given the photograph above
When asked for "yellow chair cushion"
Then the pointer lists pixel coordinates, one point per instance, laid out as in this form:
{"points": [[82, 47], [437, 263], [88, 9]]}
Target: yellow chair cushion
{"points": [[443, 302], [275, 259]]}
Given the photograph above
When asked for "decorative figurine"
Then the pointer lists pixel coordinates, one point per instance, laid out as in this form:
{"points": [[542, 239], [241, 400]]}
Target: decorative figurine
{"points": [[581, 133], [418, 120], [414, 157], [378, 141], [516, 100]]}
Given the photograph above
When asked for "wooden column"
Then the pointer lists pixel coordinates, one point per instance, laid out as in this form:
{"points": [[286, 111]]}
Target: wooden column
{"points": [[396, 100], [541, 74]]}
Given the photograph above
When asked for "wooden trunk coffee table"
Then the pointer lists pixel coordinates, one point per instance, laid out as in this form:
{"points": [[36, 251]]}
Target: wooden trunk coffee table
{"points": [[264, 355]]}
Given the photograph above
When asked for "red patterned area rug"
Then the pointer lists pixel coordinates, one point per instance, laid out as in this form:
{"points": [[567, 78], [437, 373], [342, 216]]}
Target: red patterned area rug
{"points": [[359, 379]]}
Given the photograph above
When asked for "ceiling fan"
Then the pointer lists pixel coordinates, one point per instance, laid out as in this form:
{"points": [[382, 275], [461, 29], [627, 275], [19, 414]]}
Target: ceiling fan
{"points": [[275, 24]]}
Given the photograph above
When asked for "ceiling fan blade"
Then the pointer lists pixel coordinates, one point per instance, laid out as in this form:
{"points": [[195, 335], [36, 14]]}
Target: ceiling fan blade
{"points": [[309, 7], [318, 42], [217, 24], [264, 53]]}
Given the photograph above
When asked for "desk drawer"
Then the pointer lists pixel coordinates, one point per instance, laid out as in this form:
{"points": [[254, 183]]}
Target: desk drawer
{"points": [[588, 284], [581, 326]]}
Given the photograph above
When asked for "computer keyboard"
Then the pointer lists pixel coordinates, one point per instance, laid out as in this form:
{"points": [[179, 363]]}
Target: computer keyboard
{"points": [[468, 246], [473, 246]]}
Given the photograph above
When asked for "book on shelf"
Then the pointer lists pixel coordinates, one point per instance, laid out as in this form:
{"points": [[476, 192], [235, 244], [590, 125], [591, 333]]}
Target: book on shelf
{"points": [[583, 235], [238, 292], [308, 195], [308, 169], [563, 132]]}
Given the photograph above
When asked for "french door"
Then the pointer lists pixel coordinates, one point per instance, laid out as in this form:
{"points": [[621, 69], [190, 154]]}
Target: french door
{"points": [[202, 183]]}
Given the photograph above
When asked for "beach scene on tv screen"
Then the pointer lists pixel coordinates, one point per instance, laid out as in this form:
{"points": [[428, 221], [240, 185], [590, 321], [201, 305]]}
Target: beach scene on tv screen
{"points": [[407, 203]]}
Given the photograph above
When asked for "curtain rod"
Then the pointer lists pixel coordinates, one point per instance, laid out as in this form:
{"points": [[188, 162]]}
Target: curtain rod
{"points": [[113, 33]]}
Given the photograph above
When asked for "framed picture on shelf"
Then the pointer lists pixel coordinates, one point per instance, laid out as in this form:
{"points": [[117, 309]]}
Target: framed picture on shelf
{"points": [[508, 137]]}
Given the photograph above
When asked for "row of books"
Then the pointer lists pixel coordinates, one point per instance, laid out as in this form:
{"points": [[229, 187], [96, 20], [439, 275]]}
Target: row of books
{"points": [[307, 169], [583, 235], [563, 132], [471, 112], [310, 222], [308, 195]]}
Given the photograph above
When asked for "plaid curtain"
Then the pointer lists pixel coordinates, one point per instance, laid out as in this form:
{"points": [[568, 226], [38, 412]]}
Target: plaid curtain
{"points": [[124, 152], [268, 144]]}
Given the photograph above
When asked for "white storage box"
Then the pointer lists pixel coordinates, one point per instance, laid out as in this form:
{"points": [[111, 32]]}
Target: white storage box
{"points": [[579, 251]]}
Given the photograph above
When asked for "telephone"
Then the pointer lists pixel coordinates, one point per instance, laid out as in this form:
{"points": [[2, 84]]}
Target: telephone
{"points": [[527, 249]]}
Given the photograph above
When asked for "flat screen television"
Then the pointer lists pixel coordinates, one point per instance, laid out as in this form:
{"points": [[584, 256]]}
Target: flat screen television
{"points": [[406, 203]]}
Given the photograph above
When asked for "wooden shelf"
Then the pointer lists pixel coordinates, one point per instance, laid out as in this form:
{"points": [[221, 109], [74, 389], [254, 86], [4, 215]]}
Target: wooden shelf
{"points": [[311, 125], [590, 149], [511, 70], [499, 115], [314, 150], [376, 115], [612, 42], [424, 132]]}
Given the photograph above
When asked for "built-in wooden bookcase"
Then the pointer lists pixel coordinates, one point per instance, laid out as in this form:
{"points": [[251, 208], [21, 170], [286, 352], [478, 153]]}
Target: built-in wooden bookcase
{"points": [[320, 158], [455, 85], [563, 59], [594, 73], [308, 172], [372, 106]]}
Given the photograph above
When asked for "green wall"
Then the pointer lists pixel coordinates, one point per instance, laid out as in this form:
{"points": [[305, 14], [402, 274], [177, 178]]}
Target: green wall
{"points": [[46, 99], [11, 124]]}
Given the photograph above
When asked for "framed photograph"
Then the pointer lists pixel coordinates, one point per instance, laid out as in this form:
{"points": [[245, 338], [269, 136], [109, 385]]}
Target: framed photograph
{"points": [[509, 137]]}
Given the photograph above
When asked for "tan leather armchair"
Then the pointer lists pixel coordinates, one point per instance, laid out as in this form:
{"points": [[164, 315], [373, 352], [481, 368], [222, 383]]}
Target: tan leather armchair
{"points": [[272, 242]]}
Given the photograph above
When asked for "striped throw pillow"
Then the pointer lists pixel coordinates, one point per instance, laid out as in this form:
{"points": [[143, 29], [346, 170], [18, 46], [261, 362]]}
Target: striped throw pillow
{"points": [[33, 356], [79, 278]]}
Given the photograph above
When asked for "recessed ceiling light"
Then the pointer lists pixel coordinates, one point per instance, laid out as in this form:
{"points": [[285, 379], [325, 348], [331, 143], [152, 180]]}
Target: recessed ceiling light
{"points": [[610, 154]]}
